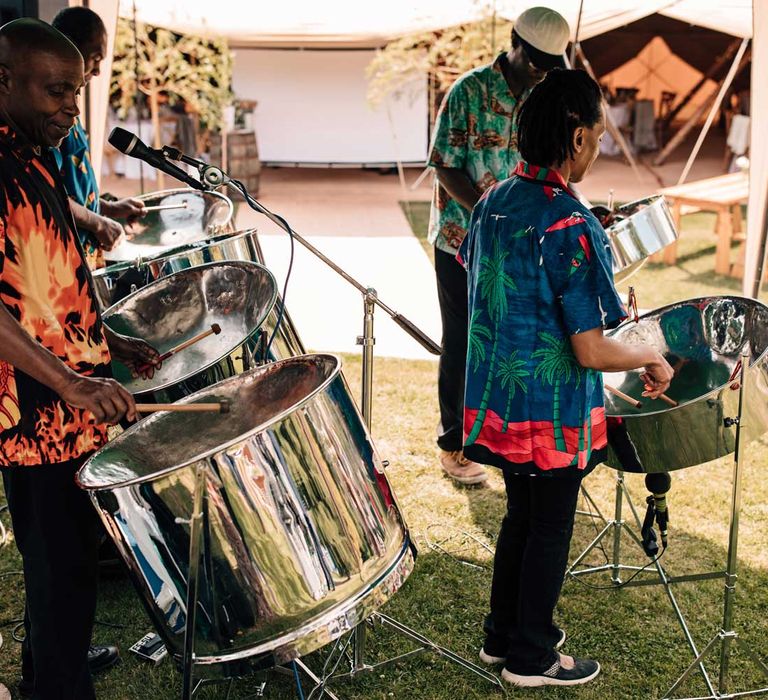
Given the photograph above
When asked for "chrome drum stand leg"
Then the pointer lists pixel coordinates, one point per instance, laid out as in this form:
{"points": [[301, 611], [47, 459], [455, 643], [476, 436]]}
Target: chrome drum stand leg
{"points": [[727, 636], [359, 634]]}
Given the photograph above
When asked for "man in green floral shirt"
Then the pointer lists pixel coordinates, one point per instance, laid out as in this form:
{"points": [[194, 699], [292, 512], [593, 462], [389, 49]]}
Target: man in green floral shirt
{"points": [[474, 147]]}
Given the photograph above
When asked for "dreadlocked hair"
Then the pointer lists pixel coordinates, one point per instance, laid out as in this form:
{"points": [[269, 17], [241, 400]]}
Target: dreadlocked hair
{"points": [[556, 107]]}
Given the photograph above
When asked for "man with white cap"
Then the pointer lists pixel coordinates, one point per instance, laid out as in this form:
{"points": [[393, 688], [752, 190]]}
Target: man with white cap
{"points": [[474, 147]]}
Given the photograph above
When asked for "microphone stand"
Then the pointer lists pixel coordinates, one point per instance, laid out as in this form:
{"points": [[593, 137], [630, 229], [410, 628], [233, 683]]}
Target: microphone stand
{"points": [[212, 177]]}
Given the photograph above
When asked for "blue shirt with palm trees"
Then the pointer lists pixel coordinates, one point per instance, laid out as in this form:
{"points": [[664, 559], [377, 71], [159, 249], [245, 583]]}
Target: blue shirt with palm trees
{"points": [[539, 270]]}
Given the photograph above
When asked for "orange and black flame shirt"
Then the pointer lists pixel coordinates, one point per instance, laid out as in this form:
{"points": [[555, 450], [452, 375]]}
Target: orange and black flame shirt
{"points": [[46, 286]]}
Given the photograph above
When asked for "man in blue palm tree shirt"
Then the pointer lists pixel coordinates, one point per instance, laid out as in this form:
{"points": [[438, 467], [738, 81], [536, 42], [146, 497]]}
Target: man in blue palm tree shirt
{"points": [[540, 290]]}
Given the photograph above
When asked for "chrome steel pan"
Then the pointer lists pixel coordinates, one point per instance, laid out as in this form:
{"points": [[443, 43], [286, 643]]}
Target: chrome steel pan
{"points": [[117, 281], [200, 215], [701, 339], [238, 296], [302, 536], [643, 228]]}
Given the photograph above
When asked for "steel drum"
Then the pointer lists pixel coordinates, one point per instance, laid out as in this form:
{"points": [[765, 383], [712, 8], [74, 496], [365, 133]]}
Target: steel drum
{"points": [[118, 281], [195, 216], [302, 536], [701, 339], [238, 296], [642, 228]]}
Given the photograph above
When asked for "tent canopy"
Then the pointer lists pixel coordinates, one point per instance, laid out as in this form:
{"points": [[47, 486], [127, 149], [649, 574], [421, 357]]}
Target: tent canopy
{"points": [[350, 22], [697, 46]]}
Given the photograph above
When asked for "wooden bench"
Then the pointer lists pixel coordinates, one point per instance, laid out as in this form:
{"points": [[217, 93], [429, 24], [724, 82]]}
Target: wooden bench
{"points": [[723, 195]]}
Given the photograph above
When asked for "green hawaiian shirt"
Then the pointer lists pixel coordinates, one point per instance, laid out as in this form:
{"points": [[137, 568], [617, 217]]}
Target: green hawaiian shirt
{"points": [[476, 131]]}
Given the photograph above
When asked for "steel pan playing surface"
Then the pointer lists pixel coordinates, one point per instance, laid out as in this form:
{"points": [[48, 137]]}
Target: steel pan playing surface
{"points": [[202, 215], [238, 296], [702, 339]]}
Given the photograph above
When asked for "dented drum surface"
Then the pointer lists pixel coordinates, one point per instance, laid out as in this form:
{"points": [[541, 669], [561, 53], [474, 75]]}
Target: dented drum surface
{"points": [[702, 340], [238, 296]]}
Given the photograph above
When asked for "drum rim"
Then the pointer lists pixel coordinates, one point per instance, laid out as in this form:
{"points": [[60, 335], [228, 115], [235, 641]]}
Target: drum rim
{"points": [[335, 374], [178, 251], [666, 307], [217, 263]]}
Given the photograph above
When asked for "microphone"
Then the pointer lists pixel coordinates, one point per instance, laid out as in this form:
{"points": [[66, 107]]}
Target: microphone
{"points": [[658, 485], [130, 144]]}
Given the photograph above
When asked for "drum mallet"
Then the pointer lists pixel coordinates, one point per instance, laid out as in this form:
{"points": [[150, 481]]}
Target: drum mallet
{"points": [[666, 399], [215, 329], [623, 396], [213, 407], [166, 207]]}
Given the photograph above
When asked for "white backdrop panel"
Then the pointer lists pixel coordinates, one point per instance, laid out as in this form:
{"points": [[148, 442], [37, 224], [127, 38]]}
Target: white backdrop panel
{"points": [[312, 108]]}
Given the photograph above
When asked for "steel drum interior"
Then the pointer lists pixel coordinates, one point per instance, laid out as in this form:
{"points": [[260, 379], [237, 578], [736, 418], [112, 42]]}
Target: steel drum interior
{"points": [[702, 340], [238, 296], [199, 216], [643, 227], [302, 537]]}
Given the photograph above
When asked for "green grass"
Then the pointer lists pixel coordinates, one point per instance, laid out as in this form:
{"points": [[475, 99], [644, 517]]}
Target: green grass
{"points": [[633, 632]]}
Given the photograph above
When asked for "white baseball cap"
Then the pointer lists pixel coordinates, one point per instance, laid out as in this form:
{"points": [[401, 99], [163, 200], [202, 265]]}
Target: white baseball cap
{"points": [[544, 35]]}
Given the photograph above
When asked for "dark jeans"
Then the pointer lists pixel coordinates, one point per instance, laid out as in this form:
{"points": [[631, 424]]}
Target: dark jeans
{"points": [[57, 532], [452, 295], [528, 569]]}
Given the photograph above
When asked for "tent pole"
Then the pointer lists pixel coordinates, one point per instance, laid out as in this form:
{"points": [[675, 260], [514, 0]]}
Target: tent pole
{"points": [[137, 96], [757, 283], [576, 36], [724, 87], [610, 124]]}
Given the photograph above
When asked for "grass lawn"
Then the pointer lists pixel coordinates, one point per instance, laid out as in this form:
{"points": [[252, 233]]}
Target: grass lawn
{"points": [[633, 631]]}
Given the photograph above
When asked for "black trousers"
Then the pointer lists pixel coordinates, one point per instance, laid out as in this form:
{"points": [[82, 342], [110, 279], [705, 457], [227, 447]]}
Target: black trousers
{"points": [[57, 532], [529, 567], [452, 296]]}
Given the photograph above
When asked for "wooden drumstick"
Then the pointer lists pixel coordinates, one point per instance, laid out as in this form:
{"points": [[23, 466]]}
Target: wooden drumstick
{"points": [[623, 396], [215, 329], [666, 398], [165, 207], [217, 407]]}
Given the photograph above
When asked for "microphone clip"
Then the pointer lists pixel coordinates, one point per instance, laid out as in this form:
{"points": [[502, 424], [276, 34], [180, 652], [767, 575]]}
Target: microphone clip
{"points": [[211, 177], [649, 539]]}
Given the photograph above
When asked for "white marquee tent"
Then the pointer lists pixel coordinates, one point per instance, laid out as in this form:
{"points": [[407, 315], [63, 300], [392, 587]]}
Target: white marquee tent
{"points": [[350, 23]]}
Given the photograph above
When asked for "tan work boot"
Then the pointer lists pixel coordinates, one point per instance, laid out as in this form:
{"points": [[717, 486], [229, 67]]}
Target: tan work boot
{"points": [[460, 469]]}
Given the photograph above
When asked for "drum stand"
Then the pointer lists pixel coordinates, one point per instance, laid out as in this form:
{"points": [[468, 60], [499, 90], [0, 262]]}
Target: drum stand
{"points": [[614, 529], [212, 177], [726, 636]]}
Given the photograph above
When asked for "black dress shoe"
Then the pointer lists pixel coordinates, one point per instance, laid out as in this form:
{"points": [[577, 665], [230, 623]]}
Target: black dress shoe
{"points": [[100, 658]]}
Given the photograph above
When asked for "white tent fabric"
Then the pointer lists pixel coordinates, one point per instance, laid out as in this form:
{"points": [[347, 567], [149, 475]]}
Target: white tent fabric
{"points": [[758, 153], [333, 21]]}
